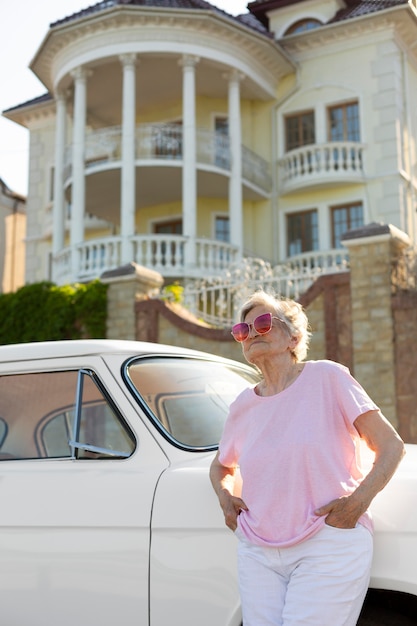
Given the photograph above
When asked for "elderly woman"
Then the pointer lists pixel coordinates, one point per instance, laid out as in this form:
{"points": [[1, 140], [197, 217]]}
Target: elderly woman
{"points": [[304, 529]]}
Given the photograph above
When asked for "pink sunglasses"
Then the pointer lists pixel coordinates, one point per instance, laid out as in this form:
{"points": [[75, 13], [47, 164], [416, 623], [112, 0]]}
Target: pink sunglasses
{"points": [[261, 324]]}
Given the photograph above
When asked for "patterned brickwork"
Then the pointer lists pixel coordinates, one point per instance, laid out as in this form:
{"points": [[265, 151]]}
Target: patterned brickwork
{"points": [[405, 324], [373, 252], [127, 285]]}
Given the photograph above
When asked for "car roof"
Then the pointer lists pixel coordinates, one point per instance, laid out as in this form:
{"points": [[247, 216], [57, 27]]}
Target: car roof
{"points": [[89, 347]]}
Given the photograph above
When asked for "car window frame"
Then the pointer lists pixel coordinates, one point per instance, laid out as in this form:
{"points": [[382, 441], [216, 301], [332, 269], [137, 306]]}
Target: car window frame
{"points": [[75, 368]]}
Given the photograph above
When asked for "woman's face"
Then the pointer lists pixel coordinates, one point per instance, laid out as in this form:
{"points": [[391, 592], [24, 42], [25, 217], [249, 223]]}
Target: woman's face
{"points": [[276, 342]]}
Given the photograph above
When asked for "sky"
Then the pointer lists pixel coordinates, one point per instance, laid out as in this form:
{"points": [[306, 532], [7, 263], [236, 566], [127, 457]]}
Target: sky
{"points": [[24, 24]]}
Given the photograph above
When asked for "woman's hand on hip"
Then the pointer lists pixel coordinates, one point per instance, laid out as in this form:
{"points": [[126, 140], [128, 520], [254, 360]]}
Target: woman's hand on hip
{"points": [[342, 513], [231, 506]]}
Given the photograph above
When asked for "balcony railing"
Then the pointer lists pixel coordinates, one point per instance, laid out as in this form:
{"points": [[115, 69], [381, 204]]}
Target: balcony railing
{"points": [[165, 142], [335, 162], [219, 281], [165, 254], [159, 141], [318, 262], [255, 169]]}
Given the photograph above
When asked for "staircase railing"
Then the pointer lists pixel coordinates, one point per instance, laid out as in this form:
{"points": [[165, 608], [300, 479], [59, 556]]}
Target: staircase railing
{"points": [[217, 300]]}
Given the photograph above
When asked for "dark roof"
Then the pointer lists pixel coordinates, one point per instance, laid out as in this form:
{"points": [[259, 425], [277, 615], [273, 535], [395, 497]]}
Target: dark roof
{"points": [[250, 20], [163, 4], [364, 7], [353, 8], [46, 97], [247, 19]]}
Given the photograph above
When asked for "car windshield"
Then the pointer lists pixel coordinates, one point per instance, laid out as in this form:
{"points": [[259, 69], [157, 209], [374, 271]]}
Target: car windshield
{"points": [[188, 399]]}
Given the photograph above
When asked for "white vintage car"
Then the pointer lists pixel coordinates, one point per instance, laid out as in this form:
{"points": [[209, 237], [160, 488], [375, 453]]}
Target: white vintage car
{"points": [[107, 513]]}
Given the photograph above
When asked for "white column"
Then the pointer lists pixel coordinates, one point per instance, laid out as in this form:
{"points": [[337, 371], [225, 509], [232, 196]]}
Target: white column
{"points": [[58, 215], [189, 155], [78, 176], [235, 183], [128, 186]]}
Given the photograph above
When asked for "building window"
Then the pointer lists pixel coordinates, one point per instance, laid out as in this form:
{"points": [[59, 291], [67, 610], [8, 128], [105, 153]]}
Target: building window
{"points": [[302, 232], [299, 130], [221, 125], [302, 26], [344, 218], [343, 122], [173, 227], [222, 154], [222, 228]]}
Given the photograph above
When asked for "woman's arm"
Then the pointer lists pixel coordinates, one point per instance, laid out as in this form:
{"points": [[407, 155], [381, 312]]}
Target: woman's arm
{"points": [[223, 481], [384, 441]]}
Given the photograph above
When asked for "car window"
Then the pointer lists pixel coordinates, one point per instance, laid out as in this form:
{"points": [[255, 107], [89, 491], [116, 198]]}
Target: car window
{"points": [[188, 399], [60, 414]]}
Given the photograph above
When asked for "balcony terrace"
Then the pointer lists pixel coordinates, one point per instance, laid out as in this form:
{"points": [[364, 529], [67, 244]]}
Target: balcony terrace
{"points": [[162, 253], [159, 162], [159, 151], [328, 164]]}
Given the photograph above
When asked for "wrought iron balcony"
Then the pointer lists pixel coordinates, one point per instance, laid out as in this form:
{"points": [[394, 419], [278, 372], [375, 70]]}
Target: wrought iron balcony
{"points": [[164, 142]]}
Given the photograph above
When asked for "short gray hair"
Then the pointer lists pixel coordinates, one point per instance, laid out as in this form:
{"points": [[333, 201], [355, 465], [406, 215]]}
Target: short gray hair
{"points": [[290, 312]]}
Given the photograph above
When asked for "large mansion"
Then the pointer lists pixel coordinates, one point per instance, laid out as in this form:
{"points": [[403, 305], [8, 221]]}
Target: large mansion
{"points": [[176, 136]]}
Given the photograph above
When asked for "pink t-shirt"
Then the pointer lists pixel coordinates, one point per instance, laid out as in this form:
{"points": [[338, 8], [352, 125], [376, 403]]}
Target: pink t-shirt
{"points": [[297, 451]]}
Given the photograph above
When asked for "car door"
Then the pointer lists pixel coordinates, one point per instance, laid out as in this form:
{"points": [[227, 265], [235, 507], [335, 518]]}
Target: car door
{"points": [[78, 471]]}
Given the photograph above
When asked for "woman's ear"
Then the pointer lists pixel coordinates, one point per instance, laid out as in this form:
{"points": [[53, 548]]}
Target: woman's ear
{"points": [[294, 339]]}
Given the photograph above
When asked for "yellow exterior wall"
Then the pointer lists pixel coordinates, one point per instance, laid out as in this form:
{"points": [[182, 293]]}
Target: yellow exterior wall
{"points": [[14, 259]]}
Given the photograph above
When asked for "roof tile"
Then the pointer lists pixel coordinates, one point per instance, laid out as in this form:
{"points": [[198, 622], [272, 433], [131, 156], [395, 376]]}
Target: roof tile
{"points": [[164, 4], [46, 97], [364, 7]]}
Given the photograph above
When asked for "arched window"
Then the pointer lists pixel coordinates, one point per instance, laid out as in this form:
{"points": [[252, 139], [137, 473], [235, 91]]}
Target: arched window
{"points": [[302, 25]]}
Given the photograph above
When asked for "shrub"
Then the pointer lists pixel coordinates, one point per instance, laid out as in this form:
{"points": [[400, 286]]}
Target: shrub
{"points": [[44, 312]]}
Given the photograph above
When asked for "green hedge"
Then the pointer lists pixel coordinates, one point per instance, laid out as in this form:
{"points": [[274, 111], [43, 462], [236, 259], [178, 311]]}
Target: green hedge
{"points": [[44, 312]]}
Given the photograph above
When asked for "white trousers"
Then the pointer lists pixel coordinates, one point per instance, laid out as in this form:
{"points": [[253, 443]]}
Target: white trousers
{"points": [[319, 582]]}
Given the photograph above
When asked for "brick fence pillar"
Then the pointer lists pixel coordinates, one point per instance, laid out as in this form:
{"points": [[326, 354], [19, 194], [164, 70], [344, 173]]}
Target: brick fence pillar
{"points": [[373, 250], [127, 285]]}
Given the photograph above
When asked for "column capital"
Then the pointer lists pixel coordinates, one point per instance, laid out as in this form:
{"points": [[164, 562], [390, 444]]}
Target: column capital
{"points": [[128, 59], [234, 76], [81, 73], [188, 61], [62, 95]]}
